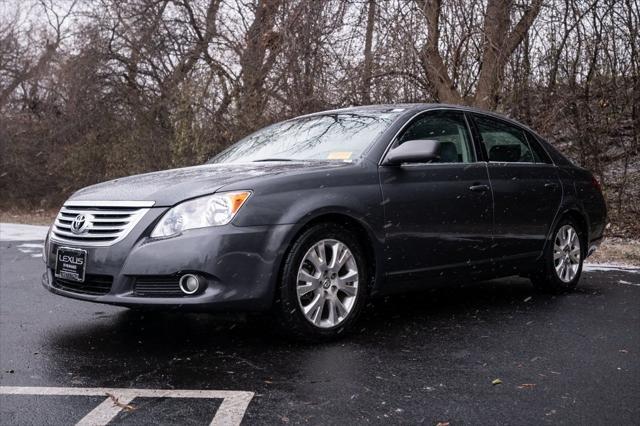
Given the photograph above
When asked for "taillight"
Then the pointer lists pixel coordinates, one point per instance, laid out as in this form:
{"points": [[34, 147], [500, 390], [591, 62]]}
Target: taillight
{"points": [[595, 183]]}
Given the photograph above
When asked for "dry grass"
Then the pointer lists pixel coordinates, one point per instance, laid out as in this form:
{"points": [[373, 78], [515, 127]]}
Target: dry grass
{"points": [[35, 217], [616, 250]]}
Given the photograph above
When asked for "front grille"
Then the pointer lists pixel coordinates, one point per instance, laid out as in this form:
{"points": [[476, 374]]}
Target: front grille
{"points": [[102, 223], [158, 286], [94, 285]]}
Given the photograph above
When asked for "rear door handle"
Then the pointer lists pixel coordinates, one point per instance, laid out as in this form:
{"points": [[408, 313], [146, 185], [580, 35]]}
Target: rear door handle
{"points": [[479, 188], [550, 185]]}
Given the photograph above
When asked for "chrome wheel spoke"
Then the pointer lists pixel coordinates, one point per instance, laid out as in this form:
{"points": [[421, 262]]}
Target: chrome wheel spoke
{"points": [[349, 290], [575, 255], [344, 258], [336, 250], [316, 260], [307, 277], [340, 308], [307, 288], [557, 254], [313, 311], [332, 317], [309, 282], [350, 276]]}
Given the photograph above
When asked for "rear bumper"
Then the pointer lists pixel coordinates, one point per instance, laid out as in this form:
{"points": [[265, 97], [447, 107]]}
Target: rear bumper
{"points": [[239, 267]]}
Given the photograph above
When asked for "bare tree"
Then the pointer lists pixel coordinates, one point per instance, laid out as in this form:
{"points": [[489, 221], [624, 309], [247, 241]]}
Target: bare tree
{"points": [[109, 88], [18, 70], [500, 41]]}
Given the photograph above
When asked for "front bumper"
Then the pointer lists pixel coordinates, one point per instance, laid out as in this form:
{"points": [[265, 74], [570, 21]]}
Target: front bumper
{"points": [[239, 264]]}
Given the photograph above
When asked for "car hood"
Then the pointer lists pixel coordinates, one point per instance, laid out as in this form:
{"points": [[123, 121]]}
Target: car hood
{"points": [[169, 187]]}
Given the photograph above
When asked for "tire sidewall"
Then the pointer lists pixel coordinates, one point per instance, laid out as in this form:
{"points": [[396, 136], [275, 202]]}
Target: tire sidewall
{"points": [[290, 310]]}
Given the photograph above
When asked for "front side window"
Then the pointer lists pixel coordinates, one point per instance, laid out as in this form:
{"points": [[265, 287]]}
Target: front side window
{"points": [[447, 127], [342, 136], [504, 143]]}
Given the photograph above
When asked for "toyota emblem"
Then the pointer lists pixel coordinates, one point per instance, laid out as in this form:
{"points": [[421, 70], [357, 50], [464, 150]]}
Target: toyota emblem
{"points": [[81, 223]]}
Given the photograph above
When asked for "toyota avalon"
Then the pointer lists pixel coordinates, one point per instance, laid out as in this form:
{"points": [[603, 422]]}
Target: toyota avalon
{"points": [[309, 217]]}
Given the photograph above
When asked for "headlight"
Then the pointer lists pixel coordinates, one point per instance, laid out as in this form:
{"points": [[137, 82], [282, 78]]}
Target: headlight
{"points": [[212, 210]]}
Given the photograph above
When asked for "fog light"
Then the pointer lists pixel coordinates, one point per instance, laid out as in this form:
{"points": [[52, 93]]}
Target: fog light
{"points": [[189, 283]]}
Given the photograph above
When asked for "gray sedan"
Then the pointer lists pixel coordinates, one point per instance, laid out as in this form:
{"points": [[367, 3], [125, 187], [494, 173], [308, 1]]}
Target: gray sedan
{"points": [[309, 217]]}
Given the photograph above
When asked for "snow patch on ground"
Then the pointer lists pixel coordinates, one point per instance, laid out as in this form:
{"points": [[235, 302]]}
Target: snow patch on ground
{"points": [[621, 267], [19, 232], [34, 250]]}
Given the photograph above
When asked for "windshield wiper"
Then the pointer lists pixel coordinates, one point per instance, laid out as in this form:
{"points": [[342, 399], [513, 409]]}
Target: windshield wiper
{"points": [[272, 159]]}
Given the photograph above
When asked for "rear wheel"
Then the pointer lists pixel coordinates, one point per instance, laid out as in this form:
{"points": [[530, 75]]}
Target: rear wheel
{"points": [[561, 264], [324, 283]]}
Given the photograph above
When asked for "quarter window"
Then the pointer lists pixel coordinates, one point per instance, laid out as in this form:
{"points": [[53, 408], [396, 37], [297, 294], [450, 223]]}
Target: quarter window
{"points": [[538, 152], [504, 143], [447, 127]]}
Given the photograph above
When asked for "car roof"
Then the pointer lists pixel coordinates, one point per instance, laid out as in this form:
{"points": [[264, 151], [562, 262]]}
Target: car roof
{"points": [[419, 107]]}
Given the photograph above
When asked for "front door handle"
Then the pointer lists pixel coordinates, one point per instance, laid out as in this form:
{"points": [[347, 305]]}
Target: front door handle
{"points": [[481, 188], [550, 185]]}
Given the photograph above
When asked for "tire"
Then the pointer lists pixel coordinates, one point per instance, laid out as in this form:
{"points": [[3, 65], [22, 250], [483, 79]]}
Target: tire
{"points": [[562, 274], [316, 314]]}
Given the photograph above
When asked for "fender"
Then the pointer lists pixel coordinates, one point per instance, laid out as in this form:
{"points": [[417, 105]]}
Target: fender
{"points": [[376, 238], [571, 206]]}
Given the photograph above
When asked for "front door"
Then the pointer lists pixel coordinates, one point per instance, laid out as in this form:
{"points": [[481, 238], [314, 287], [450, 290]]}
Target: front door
{"points": [[438, 215]]}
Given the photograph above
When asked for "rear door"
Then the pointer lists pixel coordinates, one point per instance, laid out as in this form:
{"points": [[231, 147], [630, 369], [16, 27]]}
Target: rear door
{"points": [[438, 215], [526, 188]]}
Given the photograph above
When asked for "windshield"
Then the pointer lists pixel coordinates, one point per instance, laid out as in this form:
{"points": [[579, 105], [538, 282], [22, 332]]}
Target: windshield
{"points": [[342, 136]]}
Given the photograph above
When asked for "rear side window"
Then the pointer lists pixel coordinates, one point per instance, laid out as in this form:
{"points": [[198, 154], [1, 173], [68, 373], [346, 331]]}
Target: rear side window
{"points": [[447, 127], [504, 143]]}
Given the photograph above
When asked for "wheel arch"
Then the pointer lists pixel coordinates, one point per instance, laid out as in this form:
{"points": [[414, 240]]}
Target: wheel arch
{"points": [[578, 216], [370, 243]]}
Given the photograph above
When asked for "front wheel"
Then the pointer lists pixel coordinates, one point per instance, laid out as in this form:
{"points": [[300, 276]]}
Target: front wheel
{"points": [[324, 283], [561, 264]]}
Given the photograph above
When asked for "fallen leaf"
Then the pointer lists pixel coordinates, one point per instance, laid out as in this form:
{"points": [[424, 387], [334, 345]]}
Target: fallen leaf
{"points": [[527, 386], [624, 351], [442, 424], [125, 407], [527, 299], [496, 382]]}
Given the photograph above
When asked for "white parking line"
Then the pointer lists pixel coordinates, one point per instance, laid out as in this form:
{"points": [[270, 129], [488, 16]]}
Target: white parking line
{"points": [[231, 410]]}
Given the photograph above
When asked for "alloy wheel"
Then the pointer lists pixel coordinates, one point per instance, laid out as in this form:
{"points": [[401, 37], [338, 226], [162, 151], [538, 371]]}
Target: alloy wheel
{"points": [[327, 283], [566, 253]]}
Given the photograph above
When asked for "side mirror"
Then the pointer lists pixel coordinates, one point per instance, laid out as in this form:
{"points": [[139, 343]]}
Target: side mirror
{"points": [[413, 151]]}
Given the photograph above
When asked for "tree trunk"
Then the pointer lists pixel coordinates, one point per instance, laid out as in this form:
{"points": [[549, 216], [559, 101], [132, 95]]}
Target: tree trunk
{"points": [[368, 54]]}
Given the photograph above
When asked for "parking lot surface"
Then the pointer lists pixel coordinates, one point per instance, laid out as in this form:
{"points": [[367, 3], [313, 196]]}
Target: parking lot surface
{"points": [[487, 353]]}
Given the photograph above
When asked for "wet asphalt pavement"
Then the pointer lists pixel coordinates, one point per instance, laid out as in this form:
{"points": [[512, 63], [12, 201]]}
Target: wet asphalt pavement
{"points": [[420, 359]]}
